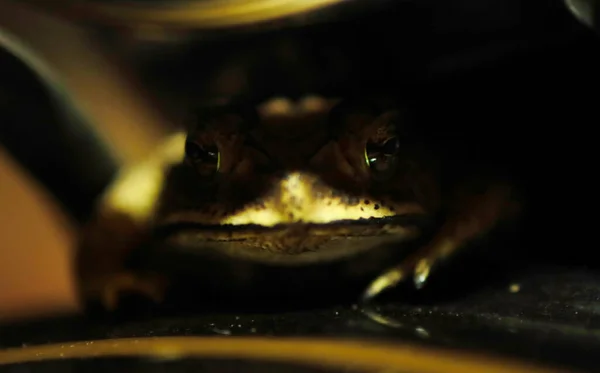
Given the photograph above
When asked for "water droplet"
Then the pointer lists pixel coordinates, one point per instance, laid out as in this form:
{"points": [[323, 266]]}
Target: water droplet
{"points": [[222, 331], [421, 332], [421, 273], [514, 288]]}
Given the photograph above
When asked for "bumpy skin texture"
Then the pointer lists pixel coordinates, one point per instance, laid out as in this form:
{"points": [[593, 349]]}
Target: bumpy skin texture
{"points": [[288, 179]]}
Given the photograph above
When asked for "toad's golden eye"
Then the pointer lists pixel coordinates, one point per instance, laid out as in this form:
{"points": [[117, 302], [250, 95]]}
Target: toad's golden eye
{"points": [[206, 159], [382, 158]]}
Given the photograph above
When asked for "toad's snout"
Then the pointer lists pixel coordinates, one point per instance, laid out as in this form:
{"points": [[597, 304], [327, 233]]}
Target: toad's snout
{"points": [[301, 197]]}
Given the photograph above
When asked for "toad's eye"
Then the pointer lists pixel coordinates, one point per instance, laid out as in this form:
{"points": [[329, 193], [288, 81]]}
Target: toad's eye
{"points": [[206, 159], [382, 158]]}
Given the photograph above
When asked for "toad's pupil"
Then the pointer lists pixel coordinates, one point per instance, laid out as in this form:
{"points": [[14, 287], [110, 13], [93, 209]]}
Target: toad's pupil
{"points": [[192, 150], [211, 152], [201, 153]]}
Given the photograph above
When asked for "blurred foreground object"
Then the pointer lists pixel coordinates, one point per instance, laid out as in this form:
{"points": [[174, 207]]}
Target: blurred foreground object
{"points": [[229, 354], [70, 61], [186, 14], [35, 248], [87, 94], [586, 11]]}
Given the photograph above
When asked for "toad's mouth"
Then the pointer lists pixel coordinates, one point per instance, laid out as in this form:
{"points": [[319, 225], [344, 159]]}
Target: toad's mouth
{"points": [[353, 227], [298, 238]]}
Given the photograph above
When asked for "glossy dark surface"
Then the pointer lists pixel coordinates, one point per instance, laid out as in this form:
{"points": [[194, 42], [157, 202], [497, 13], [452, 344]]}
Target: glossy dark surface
{"points": [[547, 315], [155, 366]]}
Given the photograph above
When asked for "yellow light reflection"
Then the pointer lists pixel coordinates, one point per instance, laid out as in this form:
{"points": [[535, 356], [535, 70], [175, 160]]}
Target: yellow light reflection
{"points": [[360, 355], [214, 13], [137, 189]]}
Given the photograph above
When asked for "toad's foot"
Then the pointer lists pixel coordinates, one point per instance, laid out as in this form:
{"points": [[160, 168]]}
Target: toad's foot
{"points": [[477, 216], [110, 290]]}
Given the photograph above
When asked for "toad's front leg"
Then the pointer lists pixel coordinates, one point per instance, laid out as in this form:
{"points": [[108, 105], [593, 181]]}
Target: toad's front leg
{"points": [[109, 289], [103, 275], [473, 215]]}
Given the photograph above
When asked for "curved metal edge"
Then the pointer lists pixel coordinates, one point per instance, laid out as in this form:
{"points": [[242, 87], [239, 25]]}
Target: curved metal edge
{"points": [[101, 118], [214, 14], [585, 11], [320, 352], [67, 135], [98, 84]]}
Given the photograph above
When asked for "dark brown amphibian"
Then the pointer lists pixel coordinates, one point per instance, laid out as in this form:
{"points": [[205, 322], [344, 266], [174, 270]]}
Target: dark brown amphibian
{"points": [[289, 179]]}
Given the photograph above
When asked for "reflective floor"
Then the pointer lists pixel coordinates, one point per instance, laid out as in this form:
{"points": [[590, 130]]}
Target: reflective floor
{"points": [[548, 315]]}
